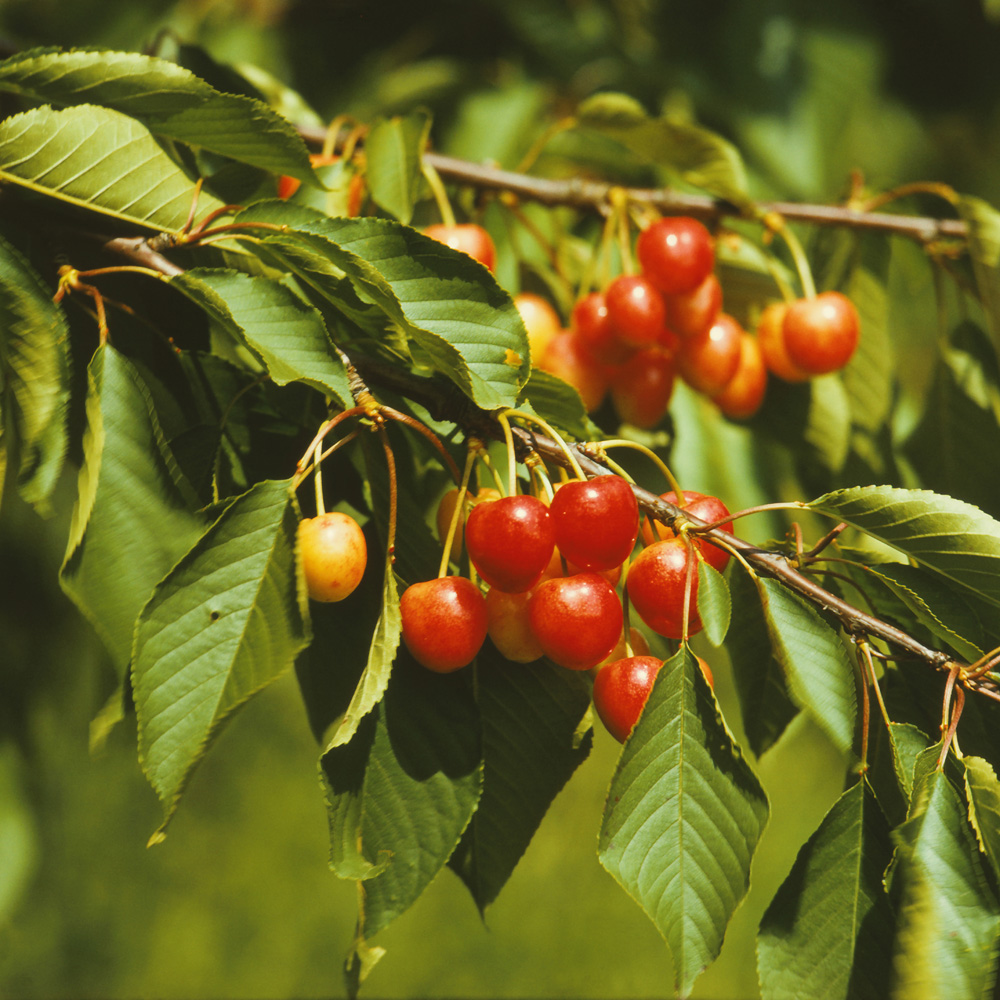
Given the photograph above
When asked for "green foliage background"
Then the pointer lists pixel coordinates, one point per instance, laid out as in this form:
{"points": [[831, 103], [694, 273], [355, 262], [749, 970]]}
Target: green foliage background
{"points": [[238, 901]]}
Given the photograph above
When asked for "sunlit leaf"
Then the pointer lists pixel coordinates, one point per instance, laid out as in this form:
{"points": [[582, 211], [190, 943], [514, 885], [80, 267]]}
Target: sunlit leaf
{"points": [[531, 714], [132, 520], [228, 620], [393, 151], [820, 675], [683, 817], [101, 160], [168, 99], [34, 375], [558, 403], [715, 606], [829, 927]]}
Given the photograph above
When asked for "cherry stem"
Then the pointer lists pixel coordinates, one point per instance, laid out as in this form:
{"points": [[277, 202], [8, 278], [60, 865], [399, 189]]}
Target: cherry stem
{"points": [[332, 134], [688, 587], [955, 711], [984, 664], [552, 433], [942, 191], [508, 436], [318, 480], [865, 650], [339, 443], [440, 195], [463, 492], [786, 505], [390, 461], [328, 425], [413, 424], [539, 475], [649, 453], [777, 224]]}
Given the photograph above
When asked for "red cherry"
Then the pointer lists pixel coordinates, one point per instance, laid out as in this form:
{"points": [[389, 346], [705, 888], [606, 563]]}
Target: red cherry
{"points": [[656, 582], [743, 394], [635, 310], [334, 555], [771, 337], [821, 333], [469, 238], [638, 642], [576, 619], [509, 626], [596, 521], [444, 622], [592, 327], [642, 387], [555, 569], [621, 690], [567, 357], [709, 360], [510, 542], [676, 254], [691, 312], [710, 509]]}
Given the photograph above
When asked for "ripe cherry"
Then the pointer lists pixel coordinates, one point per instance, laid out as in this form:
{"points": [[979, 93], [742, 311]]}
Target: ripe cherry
{"points": [[635, 310], [676, 254], [656, 584], [509, 626], [446, 510], [568, 358], [469, 238], [576, 619], [710, 509], [596, 521], [592, 327], [771, 337], [642, 387], [444, 622], [510, 542], [691, 312], [555, 569], [709, 360], [621, 690], [743, 394], [540, 320], [638, 642], [334, 555], [821, 333]]}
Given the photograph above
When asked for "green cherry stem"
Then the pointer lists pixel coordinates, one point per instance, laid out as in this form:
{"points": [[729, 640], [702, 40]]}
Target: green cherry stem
{"points": [[552, 433], [463, 492], [440, 195]]}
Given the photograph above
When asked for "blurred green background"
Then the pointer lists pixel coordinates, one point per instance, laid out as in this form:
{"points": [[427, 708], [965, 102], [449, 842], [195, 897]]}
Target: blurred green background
{"points": [[238, 902]]}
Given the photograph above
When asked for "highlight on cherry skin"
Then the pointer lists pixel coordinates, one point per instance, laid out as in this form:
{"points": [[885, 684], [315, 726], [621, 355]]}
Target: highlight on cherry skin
{"points": [[444, 622], [510, 541], [334, 555]]}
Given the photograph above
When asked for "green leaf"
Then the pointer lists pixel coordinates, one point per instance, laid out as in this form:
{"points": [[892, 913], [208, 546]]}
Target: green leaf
{"points": [[101, 160], [907, 743], [132, 521], [715, 607], [34, 375], [949, 918], [983, 221], [829, 927], [820, 675], [983, 792], [393, 155], [696, 155], [228, 619], [765, 705], [168, 99], [375, 679], [285, 333], [403, 790], [948, 536], [828, 424], [459, 321], [559, 403], [683, 817], [531, 717]]}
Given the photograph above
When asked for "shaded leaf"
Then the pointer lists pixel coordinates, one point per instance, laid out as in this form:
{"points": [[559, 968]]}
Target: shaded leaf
{"points": [[101, 160], [168, 99], [983, 221], [983, 793], [946, 535], [531, 714], [559, 403], [683, 817], [34, 375], [907, 743], [132, 520], [393, 151], [820, 675], [228, 619], [714, 603], [829, 927], [285, 333]]}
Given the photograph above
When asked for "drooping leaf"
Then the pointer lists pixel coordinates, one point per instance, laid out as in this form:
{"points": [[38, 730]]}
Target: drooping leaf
{"points": [[559, 403], [393, 151], [829, 927], [132, 519], [828, 424], [34, 375], [458, 320], [765, 705], [983, 793], [983, 221], [683, 817], [168, 99], [948, 915], [531, 715], [101, 160], [820, 675], [947, 536], [285, 333], [401, 792], [715, 606], [226, 621], [907, 743]]}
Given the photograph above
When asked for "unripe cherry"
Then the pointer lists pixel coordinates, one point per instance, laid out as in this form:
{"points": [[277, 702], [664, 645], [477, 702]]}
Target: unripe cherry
{"points": [[334, 555]]}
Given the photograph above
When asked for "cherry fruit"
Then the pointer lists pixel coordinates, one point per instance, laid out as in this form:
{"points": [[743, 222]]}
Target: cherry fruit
{"points": [[593, 329], [510, 542], [744, 393], [702, 505], [656, 584], [509, 626], [596, 521], [568, 358], [691, 312], [621, 689], [771, 337], [444, 622], [709, 360], [636, 311], [821, 333], [334, 555], [676, 254], [469, 238], [576, 619], [540, 320], [642, 387]]}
